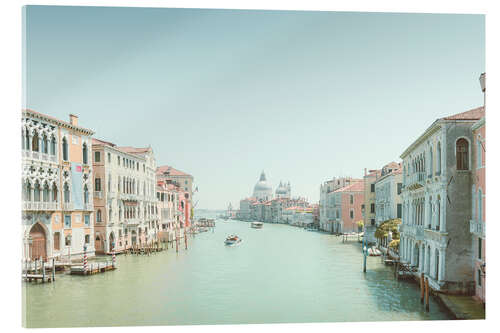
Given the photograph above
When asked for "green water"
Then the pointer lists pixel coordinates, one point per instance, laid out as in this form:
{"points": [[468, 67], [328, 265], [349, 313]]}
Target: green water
{"points": [[280, 274]]}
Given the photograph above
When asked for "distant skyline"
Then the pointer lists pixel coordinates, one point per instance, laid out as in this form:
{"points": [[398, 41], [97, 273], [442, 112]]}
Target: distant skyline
{"points": [[225, 94]]}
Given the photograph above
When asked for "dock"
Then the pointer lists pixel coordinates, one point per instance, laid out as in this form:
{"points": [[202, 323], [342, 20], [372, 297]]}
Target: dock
{"points": [[93, 268]]}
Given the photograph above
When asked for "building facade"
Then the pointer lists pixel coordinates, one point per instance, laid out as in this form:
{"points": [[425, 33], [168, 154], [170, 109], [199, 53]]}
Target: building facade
{"points": [[437, 180], [368, 209], [57, 187]]}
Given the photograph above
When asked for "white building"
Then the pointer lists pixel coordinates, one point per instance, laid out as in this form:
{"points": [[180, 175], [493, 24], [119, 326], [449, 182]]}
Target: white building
{"points": [[263, 190]]}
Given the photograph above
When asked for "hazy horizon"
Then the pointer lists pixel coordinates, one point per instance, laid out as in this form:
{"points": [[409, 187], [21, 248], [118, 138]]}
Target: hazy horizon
{"points": [[225, 94]]}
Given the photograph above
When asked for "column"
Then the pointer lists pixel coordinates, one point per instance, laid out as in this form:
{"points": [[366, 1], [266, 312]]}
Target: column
{"points": [[442, 226], [442, 263]]}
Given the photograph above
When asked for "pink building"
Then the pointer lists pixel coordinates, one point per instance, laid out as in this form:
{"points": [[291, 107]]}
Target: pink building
{"points": [[477, 223], [351, 199]]}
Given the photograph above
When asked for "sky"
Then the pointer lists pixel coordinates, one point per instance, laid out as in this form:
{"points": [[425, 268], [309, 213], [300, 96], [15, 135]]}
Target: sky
{"points": [[225, 94]]}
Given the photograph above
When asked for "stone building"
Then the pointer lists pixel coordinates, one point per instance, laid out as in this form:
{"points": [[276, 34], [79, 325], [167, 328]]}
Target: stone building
{"points": [[125, 203], [57, 187], [368, 209], [437, 182], [167, 196]]}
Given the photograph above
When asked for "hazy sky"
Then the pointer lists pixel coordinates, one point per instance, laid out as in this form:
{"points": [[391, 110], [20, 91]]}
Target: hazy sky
{"points": [[224, 94]]}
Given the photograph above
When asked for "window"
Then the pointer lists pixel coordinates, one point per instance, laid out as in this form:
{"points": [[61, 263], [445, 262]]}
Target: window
{"points": [[480, 205], [372, 222], [87, 239], [66, 192], [54, 193], [351, 214], [85, 154], [45, 148], [118, 159], [67, 221], [67, 240], [65, 149], [462, 147], [352, 199], [479, 281], [99, 216], [97, 156], [372, 188], [479, 248], [36, 192], [86, 219], [34, 142], [438, 168], [400, 211], [57, 241], [85, 194], [185, 182], [372, 208], [109, 157], [97, 185], [46, 193], [53, 146], [400, 187]]}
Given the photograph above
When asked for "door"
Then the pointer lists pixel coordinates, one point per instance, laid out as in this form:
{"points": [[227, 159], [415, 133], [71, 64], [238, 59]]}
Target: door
{"points": [[38, 246]]}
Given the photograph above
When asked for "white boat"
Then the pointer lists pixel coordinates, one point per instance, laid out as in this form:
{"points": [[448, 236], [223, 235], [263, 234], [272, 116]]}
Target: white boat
{"points": [[373, 251], [232, 240], [257, 225]]}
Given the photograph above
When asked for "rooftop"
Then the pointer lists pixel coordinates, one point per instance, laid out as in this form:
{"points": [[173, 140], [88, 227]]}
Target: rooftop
{"points": [[172, 171]]}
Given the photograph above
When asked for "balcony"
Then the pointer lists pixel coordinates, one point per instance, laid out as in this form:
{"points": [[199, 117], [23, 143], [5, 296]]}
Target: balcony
{"points": [[129, 197], [35, 155], [416, 231], [415, 180], [88, 206], [477, 228], [44, 206], [98, 194], [132, 222], [67, 206]]}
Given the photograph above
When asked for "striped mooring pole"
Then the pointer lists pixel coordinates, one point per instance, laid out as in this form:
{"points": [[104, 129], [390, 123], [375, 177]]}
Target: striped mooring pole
{"points": [[114, 258], [85, 263]]}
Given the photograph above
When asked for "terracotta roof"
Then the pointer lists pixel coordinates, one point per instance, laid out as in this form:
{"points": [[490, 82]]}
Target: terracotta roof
{"points": [[173, 172], [474, 114], [354, 187], [99, 142]]}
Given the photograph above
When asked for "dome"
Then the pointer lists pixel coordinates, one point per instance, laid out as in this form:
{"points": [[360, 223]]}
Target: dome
{"points": [[281, 189], [262, 190], [262, 186]]}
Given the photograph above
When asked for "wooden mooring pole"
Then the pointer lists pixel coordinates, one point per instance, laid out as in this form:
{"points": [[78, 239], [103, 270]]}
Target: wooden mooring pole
{"points": [[53, 269], [185, 238], [422, 288], [43, 271], [427, 294]]}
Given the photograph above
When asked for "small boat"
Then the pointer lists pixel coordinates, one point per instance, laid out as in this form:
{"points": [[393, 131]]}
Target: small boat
{"points": [[257, 225], [232, 240]]}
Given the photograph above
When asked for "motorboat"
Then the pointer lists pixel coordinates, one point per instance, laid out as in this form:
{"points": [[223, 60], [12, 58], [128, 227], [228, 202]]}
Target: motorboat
{"points": [[257, 225], [232, 240], [373, 251]]}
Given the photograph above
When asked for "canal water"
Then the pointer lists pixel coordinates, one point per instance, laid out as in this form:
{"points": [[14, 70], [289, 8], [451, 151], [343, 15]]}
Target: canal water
{"points": [[279, 274]]}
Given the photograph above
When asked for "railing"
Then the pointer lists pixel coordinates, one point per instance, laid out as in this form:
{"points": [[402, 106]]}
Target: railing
{"points": [[40, 205], [133, 221], [416, 231], [88, 206], [39, 156], [415, 180], [98, 194], [67, 206], [478, 228]]}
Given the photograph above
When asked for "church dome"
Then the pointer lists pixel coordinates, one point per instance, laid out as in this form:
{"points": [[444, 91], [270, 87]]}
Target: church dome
{"points": [[262, 190]]}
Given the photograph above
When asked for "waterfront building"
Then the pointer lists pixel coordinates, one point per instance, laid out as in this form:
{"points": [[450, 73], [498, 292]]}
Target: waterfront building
{"points": [[368, 208], [388, 202], [167, 195], [262, 190], [347, 202], [329, 204], [185, 183], [478, 220], [245, 210], [57, 187], [437, 197], [124, 196]]}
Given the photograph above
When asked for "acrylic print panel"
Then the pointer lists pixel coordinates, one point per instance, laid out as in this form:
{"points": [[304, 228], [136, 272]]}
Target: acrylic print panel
{"points": [[202, 166]]}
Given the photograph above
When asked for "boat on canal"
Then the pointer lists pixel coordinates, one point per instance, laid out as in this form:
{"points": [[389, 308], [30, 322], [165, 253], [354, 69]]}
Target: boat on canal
{"points": [[232, 240], [257, 225], [373, 251]]}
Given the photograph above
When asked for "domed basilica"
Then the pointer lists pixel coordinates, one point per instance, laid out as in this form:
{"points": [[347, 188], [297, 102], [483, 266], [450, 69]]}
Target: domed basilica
{"points": [[263, 191]]}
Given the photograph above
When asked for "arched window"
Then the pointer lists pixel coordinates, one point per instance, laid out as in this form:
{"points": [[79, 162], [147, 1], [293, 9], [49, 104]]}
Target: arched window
{"points": [[46, 193], [437, 264], [53, 146], [85, 194], [27, 140], [36, 193], [352, 199], [66, 192], [431, 162], [45, 144], [85, 154], [65, 149], [54, 193], [438, 213], [479, 154], [462, 147], [34, 142], [480, 205], [97, 185], [438, 167], [119, 213], [99, 216], [28, 191], [429, 221]]}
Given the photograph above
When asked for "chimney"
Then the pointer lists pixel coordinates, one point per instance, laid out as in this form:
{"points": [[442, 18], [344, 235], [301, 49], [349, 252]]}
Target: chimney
{"points": [[73, 120]]}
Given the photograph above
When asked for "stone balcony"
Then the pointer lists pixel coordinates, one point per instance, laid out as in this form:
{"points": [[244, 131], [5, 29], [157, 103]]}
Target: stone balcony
{"points": [[98, 194], [67, 206], [477, 228], [39, 205], [415, 181], [35, 155], [417, 231], [132, 222], [88, 206]]}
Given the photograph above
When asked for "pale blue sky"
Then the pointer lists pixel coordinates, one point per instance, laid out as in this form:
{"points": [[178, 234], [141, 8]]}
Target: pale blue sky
{"points": [[223, 94]]}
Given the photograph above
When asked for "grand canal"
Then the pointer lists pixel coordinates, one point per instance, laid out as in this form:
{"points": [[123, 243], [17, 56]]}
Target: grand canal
{"points": [[280, 274]]}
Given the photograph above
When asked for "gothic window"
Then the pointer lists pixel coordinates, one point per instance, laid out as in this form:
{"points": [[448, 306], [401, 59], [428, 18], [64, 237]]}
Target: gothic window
{"points": [[479, 154], [431, 160], [54, 193], [462, 147], [46, 193], [36, 193], [65, 149], [85, 194], [45, 148], [85, 154], [118, 183], [28, 191], [97, 156], [27, 138], [480, 205], [66, 192], [109, 182], [99, 216], [53, 146], [34, 142], [437, 264], [57, 240]]}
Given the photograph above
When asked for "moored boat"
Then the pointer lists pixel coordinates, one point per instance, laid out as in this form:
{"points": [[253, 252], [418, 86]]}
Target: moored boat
{"points": [[373, 251], [257, 225]]}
